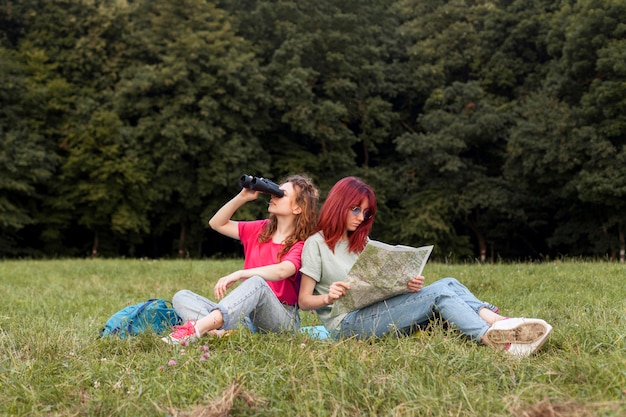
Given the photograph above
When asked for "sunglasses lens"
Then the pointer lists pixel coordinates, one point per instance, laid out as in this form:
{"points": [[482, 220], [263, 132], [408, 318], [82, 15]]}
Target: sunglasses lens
{"points": [[357, 210]]}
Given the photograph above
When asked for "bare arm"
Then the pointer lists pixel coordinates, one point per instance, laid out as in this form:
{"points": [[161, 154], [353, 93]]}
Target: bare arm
{"points": [[273, 272], [221, 221], [308, 301]]}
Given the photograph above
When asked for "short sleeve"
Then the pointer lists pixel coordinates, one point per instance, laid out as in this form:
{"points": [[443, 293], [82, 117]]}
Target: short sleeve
{"points": [[312, 258], [294, 255]]}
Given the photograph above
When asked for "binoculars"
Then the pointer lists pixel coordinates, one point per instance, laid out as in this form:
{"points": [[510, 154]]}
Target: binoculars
{"points": [[260, 184]]}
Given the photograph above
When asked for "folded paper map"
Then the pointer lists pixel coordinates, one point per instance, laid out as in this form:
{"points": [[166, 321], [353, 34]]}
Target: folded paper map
{"points": [[381, 272]]}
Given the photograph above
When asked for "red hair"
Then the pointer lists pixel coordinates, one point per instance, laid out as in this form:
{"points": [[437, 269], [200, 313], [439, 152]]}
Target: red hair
{"points": [[346, 194]]}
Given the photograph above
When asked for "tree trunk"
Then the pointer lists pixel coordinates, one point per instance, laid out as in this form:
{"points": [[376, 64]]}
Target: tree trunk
{"points": [[482, 244], [182, 241], [366, 155], [622, 247], [483, 248], [96, 245]]}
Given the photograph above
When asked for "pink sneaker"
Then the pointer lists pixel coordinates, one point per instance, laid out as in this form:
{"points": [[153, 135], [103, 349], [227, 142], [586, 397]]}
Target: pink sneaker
{"points": [[183, 334]]}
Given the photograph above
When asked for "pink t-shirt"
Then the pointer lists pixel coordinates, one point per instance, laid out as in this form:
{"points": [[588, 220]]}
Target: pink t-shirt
{"points": [[261, 254]]}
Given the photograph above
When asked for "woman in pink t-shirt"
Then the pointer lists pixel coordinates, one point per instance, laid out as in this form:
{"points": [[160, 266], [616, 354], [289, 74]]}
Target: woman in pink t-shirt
{"points": [[266, 300]]}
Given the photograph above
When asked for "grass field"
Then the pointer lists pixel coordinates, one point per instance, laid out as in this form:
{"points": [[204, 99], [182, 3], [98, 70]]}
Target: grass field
{"points": [[53, 364]]}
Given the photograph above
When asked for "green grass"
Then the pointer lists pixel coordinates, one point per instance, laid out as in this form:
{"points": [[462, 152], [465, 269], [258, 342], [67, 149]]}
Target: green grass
{"points": [[53, 364]]}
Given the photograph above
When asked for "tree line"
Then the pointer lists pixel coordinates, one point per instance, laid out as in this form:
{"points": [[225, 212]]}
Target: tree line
{"points": [[491, 129]]}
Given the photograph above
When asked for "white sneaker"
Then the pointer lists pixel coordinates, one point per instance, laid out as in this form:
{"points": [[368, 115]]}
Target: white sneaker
{"points": [[520, 336]]}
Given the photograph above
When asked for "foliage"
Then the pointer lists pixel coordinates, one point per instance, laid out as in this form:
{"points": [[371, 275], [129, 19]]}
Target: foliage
{"points": [[490, 129], [33, 99]]}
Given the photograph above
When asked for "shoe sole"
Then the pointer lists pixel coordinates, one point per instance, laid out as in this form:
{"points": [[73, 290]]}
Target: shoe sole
{"points": [[174, 342], [220, 333], [170, 341], [524, 333]]}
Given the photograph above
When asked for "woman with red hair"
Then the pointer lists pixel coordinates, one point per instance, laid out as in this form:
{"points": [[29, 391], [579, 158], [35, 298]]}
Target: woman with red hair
{"points": [[345, 222]]}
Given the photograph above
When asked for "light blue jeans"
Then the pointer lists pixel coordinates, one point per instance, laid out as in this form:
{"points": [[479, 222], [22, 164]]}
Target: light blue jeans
{"points": [[446, 298], [252, 303]]}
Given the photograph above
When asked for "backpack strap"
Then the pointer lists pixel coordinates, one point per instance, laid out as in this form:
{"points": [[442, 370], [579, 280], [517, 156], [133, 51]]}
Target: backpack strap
{"points": [[141, 308]]}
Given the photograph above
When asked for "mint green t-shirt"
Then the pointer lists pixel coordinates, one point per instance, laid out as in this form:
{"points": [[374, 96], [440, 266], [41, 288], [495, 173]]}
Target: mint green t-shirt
{"points": [[326, 267]]}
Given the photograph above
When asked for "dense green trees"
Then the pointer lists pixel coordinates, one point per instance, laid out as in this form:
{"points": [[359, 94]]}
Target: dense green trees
{"points": [[490, 129]]}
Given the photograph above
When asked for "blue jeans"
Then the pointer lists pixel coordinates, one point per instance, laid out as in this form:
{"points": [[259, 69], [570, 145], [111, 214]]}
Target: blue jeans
{"points": [[252, 303], [446, 298]]}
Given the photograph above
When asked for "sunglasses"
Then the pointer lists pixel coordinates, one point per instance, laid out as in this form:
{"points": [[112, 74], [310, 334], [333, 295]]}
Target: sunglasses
{"points": [[357, 210]]}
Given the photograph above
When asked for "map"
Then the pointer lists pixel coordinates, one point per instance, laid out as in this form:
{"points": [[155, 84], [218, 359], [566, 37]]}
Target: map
{"points": [[381, 272]]}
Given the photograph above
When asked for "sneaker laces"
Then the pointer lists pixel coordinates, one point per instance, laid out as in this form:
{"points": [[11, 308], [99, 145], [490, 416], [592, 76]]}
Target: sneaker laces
{"points": [[184, 330]]}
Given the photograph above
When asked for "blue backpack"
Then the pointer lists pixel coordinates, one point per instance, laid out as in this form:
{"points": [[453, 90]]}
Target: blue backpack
{"points": [[155, 314]]}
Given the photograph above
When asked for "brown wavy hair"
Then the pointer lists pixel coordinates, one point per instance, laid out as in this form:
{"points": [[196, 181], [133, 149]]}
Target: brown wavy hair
{"points": [[307, 197]]}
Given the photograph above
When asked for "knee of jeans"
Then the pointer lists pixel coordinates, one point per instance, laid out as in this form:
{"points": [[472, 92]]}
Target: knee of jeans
{"points": [[180, 296], [259, 283], [255, 278], [449, 280], [442, 295]]}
